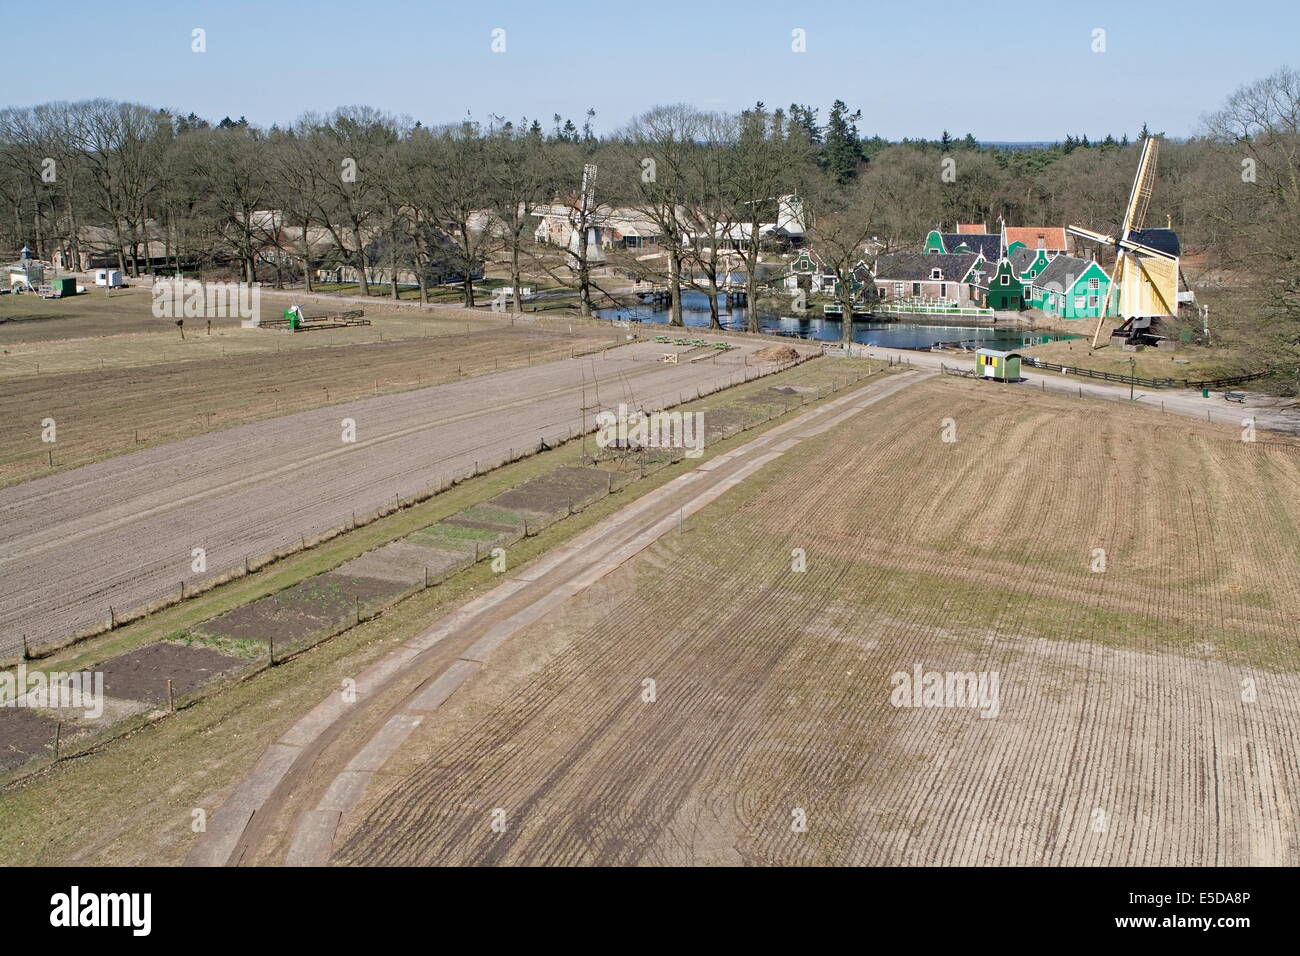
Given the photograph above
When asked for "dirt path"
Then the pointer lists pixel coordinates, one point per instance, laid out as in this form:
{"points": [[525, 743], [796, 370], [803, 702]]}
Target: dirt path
{"points": [[121, 533], [288, 808]]}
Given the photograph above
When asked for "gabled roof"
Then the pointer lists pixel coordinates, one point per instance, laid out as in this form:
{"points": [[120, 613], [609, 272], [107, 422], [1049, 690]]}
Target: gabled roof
{"points": [[919, 266], [1053, 236], [972, 228], [988, 244], [1023, 258], [1062, 272]]}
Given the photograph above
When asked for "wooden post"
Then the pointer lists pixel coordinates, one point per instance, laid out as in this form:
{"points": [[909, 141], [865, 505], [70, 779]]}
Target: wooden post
{"points": [[182, 590], [49, 452], [26, 653], [426, 575], [171, 702], [271, 640], [356, 603], [112, 623], [245, 564], [58, 732]]}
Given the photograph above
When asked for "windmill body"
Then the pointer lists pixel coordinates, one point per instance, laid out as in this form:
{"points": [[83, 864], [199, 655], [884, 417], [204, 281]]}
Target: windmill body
{"points": [[1145, 278]]}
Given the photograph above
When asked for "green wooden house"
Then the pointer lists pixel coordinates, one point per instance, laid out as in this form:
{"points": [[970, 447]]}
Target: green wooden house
{"points": [[988, 245], [1071, 288], [1004, 290], [1029, 265]]}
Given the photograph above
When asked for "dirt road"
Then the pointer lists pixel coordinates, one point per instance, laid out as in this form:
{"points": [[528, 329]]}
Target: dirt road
{"points": [[1281, 415], [122, 533], [286, 810]]}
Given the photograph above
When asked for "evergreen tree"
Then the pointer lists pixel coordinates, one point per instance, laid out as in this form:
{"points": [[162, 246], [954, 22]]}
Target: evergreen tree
{"points": [[804, 119], [843, 150]]}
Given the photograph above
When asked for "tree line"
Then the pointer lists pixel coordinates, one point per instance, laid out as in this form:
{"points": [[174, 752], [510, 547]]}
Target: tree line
{"points": [[395, 196]]}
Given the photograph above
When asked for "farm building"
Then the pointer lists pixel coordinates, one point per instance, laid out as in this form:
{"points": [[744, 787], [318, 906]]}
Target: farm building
{"points": [[1071, 288], [949, 280], [1001, 366]]}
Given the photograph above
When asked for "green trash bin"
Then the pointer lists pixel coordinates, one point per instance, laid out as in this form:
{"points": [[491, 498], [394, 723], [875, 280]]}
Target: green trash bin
{"points": [[1205, 393]]}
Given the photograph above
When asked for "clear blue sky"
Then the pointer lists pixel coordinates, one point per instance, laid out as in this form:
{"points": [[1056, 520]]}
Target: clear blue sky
{"points": [[1001, 70]]}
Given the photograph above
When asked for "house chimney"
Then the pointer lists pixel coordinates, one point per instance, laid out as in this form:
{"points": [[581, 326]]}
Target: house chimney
{"points": [[1042, 241]]}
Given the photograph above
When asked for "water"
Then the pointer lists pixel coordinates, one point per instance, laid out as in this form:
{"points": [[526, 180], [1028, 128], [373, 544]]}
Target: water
{"points": [[896, 335]]}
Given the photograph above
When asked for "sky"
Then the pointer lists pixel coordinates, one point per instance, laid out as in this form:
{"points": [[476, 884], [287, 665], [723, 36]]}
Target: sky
{"points": [[1004, 71]]}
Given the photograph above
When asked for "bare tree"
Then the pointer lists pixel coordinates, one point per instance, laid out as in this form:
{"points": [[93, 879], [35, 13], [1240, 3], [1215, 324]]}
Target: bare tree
{"points": [[519, 181], [841, 220]]}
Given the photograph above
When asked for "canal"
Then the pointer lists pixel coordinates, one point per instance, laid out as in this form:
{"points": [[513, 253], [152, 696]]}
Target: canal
{"points": [[896, 335]]}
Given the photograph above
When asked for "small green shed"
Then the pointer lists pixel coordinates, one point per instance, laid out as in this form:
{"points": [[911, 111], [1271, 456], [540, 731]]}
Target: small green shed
{"points": [[1003, 366], [64, 286]]}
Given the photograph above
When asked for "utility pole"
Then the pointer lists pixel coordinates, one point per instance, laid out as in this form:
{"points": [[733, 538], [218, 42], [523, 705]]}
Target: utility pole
{"points": [[1132, 370]]}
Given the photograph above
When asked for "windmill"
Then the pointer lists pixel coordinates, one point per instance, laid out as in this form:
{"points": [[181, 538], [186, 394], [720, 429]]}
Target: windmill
{"points": [[1146, 260]]}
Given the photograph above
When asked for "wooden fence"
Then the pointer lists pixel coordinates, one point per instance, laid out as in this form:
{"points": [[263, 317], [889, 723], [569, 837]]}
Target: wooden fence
{"points": [[1213, 383]]}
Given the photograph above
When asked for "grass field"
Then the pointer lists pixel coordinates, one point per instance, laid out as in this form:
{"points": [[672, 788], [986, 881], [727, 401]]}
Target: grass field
{"points": [[1191, 362], [1148, 713]]}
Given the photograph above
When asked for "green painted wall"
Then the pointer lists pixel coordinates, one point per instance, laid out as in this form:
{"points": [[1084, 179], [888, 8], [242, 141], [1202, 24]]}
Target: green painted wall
{"points": [[1066, 305], [1006, 292], [1004, 369], [1035, 268]]}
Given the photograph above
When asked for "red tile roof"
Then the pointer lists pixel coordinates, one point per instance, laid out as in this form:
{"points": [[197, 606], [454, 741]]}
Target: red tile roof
{"points": [[971, 228], [1053, 236]]}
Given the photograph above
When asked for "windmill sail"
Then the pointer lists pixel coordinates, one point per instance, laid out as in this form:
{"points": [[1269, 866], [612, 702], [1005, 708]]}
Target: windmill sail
{"points": [[1145, 277]]}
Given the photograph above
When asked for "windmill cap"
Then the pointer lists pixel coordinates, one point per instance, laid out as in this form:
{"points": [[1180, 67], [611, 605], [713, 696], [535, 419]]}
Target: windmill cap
{"points": [[1162, 240]]}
